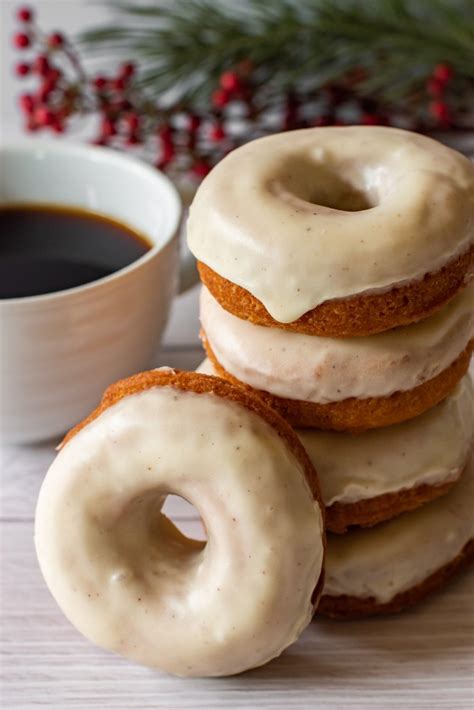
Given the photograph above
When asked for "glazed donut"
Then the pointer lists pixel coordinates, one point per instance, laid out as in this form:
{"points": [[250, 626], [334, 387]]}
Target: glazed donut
{"points": [[374, 476], [379, 474], [398, 563], [123, 573], [345, 384], [336, 231]]}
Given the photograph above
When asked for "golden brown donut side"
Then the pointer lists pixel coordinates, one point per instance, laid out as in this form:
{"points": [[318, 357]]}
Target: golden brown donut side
{"points": [[347, 607], [357, 415], [370, 512], [364, 314]]}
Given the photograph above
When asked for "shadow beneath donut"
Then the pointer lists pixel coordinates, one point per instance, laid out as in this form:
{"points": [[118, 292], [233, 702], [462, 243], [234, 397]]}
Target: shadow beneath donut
{"points": [[421, 642]]}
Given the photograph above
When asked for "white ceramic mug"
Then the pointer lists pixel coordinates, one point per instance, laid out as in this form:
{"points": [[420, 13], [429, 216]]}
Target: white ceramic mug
{"points": [[59, 351]]}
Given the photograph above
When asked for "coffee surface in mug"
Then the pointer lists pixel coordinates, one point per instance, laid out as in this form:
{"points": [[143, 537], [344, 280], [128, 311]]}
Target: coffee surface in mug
{"points": [[44, 249]]}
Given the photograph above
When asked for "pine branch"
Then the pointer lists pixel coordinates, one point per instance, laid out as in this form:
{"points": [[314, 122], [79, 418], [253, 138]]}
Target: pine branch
{"points": [[187, 44], [204, 76]]}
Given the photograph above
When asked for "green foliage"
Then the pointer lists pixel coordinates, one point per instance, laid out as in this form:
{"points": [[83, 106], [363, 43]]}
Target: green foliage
{"points": [[184, 45]]}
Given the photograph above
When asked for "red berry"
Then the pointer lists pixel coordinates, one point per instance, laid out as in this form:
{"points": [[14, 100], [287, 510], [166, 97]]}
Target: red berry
{"points": [[323, 120], [27, 103], [24, 14], [53, 76], [165, 132], [58, 126], [43, 116], [41, 65], [56, 40], [167, 152], [220, 98], [132, 121], [43, 93], [22, 69], [443, 73], [435, 87], [31, 125], [441, 112], [45, 90], [194, 122], [133, 139], [217, 133], [127, 70], [21, 40], [121, 105], [201, 168], [230, 81], [107, 128], [166, 157], [246, 94], [289, 120], [100, 82], [119, 84], [370, 119]]}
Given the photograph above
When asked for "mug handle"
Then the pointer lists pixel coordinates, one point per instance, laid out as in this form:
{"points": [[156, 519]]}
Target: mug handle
{"points": [[188, 273]]}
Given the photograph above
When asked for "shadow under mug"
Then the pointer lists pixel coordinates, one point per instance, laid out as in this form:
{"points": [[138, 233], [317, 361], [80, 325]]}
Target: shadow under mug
{"points": [[59, 351]]}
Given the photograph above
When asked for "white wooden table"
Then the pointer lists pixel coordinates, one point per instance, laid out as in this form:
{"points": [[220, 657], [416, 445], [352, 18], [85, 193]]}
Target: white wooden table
{"points": [[421, 659]]}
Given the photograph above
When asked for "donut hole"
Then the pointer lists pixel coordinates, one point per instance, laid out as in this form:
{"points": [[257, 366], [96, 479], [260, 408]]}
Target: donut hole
{"points": [[146, 544], [185, 516], [338, 193], [305, 182]]}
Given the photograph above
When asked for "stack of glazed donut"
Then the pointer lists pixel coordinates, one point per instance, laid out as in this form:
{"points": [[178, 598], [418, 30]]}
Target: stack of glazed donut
{"points": [[336, 267], [336, 302]]}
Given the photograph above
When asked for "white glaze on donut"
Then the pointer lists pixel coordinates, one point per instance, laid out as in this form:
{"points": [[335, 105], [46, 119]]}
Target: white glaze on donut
{"points": [[429, 450], [206, 368], [306, 216], [316, 369], [129, 581], [395, 556]]}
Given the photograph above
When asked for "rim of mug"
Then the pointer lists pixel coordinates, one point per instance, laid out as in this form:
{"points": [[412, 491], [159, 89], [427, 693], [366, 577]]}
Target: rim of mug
{"points": [[75, 147]]}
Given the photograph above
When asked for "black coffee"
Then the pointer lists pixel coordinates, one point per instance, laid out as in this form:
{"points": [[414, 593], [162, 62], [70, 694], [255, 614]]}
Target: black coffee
{"points": [[47, 249]]}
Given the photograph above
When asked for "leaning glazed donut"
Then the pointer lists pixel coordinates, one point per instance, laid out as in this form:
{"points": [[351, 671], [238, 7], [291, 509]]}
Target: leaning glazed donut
{"points": [[123, 573], [336, 231], [345, 384]]}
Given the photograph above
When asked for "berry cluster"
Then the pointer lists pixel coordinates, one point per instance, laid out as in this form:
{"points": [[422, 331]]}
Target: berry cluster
{"points": [[42, 108], [179, 138], [126, 117], [436, 87]]}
